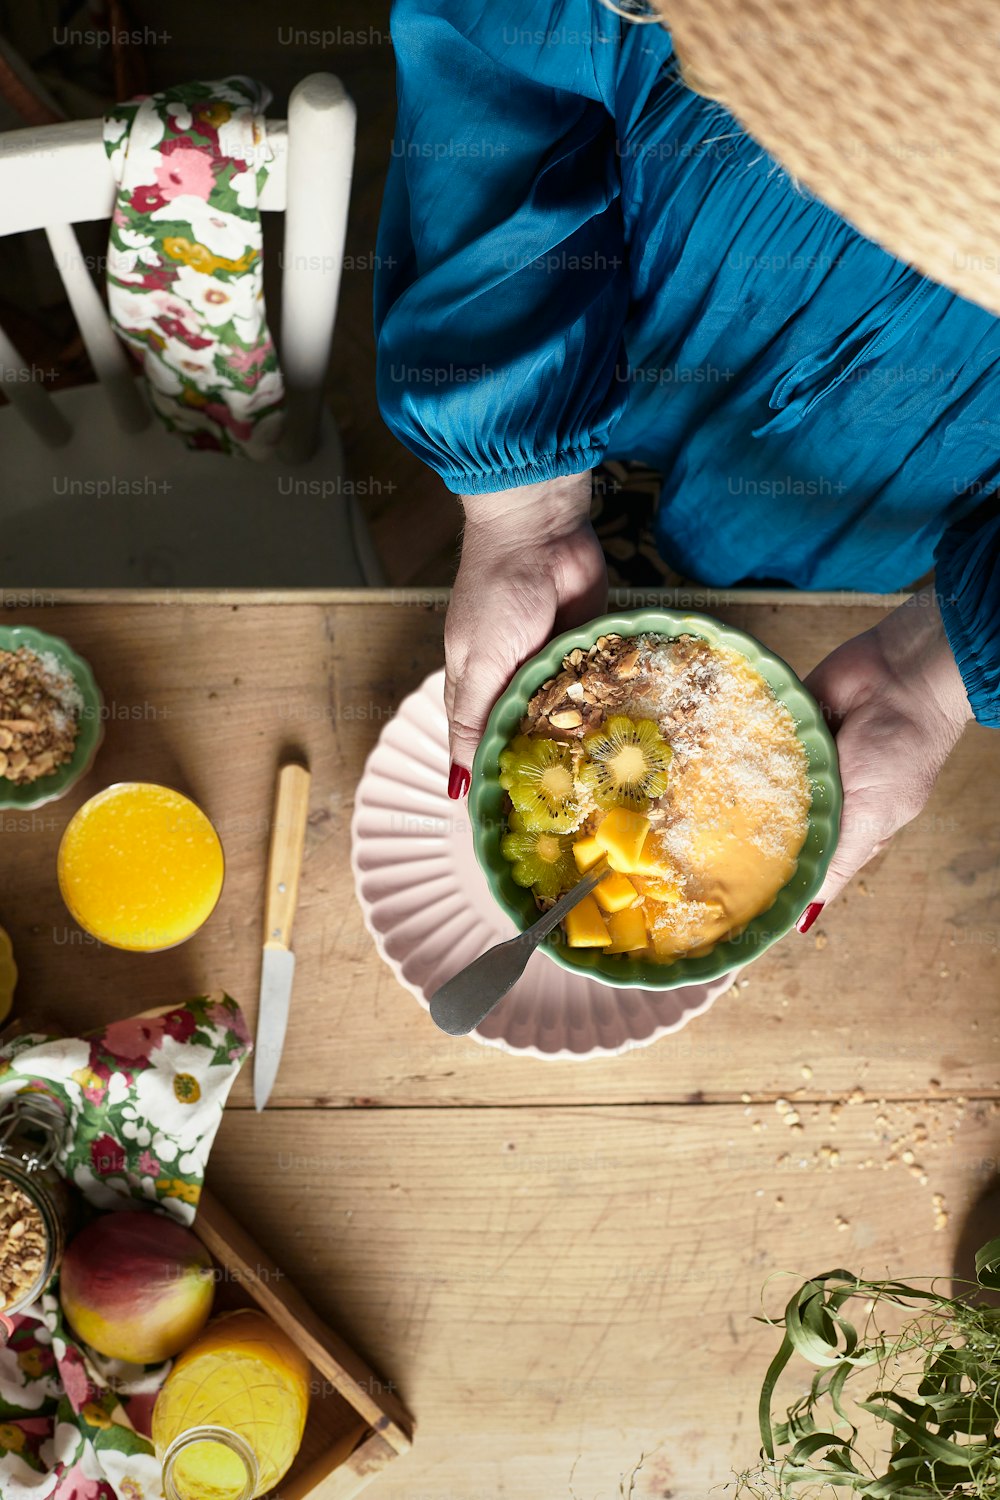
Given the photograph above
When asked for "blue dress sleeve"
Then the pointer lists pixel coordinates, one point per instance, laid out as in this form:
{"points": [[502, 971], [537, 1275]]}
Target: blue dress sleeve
{"points": [[501, 284], [967, 580]]}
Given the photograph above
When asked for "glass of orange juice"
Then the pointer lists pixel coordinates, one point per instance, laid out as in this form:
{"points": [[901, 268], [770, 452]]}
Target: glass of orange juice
{"points": [[140, 867]]}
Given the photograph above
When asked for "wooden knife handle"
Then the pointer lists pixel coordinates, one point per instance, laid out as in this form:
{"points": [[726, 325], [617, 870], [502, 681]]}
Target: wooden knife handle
{"points": [[288, 833]]}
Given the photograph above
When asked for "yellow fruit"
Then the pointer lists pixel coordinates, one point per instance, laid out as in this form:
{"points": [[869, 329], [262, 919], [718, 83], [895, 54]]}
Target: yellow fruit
{"points": [[587, 852], [652, 863], [628, 930], [585, 926], [615, 893], [136, 1286], [660, 890], [8, 975], [621, 835]]}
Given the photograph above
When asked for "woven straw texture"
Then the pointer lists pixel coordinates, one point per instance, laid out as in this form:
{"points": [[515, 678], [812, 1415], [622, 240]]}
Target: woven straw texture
{"points": [[888, 110]]}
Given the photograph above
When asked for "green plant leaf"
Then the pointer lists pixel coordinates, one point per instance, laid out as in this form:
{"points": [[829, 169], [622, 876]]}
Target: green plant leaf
{"points": [[988, 1265], [936, 1407]]}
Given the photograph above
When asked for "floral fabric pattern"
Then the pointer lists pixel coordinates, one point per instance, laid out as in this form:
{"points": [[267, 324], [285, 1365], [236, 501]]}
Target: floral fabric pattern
{"points": [[143, 1099], [185, 288]]}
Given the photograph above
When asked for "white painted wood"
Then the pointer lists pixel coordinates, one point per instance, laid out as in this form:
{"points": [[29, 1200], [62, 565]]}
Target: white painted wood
{"points": [[107, 356], [321, 130], [22, 385], [60, 174], [126, 503]]}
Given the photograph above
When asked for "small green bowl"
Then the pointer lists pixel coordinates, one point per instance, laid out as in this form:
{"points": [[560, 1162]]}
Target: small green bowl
{"points": [[486, 804], [50, 788]]}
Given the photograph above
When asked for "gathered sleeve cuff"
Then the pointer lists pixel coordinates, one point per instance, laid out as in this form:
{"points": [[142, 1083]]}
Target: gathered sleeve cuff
{"points": [[501, 283]]}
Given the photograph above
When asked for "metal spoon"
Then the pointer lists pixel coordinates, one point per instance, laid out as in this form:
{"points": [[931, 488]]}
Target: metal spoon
{"points": [[462, 1002]]}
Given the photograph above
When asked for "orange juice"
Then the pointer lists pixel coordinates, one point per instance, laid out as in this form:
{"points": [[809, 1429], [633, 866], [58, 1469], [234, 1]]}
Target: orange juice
{"points": [[140, 867], [229, 1419]]}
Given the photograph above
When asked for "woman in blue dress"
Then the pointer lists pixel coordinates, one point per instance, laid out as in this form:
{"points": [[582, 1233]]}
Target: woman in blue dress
{"points": [[584, 259]]}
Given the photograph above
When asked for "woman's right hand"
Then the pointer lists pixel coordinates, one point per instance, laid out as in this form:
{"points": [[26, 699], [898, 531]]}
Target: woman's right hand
{"points": [[531, 567]]}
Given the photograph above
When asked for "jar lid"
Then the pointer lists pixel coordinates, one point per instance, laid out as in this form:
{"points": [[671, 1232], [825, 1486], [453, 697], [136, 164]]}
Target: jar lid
{"points": [[32, 1129]]}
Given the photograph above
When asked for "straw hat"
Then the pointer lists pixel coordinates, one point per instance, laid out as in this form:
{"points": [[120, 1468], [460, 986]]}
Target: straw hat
{"points": [[888, 110]]}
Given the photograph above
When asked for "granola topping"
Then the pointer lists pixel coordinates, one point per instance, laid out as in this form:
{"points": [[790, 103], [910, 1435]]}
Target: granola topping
{"points": [[23, 1243], [40, 709], [725, 834]]}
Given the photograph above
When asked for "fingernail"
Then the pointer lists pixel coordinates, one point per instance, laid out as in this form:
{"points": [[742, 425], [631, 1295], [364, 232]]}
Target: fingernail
{"points": [[458, 782], [809, 916]]}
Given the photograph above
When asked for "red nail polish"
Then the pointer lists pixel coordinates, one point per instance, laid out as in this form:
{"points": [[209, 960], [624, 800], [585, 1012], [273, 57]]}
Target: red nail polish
{"points": [[458, 782], [809, 916]]}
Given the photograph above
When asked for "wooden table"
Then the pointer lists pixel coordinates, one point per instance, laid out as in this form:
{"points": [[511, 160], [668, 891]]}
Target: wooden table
{"points": [[557, 1264]]}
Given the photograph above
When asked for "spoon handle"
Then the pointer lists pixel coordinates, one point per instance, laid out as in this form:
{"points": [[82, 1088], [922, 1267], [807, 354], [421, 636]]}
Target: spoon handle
{"points": [[550, 919], [469, 996]]}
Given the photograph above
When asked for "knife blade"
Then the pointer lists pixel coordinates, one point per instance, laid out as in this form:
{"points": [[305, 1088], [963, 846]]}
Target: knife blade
{"points": [[276, 973], [288, 831]]}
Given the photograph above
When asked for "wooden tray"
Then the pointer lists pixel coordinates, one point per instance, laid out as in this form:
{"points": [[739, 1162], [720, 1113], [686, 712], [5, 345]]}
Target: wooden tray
{"points": [[355, 1426]]}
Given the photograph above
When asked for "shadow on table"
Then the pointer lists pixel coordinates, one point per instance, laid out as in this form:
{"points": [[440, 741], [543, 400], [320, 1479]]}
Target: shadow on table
{"points": [[982, 1223]]}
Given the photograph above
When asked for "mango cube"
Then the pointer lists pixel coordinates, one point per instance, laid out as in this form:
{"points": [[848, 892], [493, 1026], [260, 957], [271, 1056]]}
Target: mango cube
{"points": [[628, 930], [585, 926], [621, 835], [657, 866], [615, 893], [662, 890], [587, 852]]}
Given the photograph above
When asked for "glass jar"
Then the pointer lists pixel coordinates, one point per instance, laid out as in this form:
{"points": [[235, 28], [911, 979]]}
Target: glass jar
{"points": [[36, 1205], [210, 1461], [229, 1418]]}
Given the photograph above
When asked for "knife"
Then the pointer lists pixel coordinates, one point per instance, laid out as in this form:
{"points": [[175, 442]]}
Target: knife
{"points": [[288, 832]]}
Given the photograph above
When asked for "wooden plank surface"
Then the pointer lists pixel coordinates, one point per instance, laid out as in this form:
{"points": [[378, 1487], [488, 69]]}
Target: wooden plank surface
{"points": [[554, 1266], [896, 988], [578, 1285]]}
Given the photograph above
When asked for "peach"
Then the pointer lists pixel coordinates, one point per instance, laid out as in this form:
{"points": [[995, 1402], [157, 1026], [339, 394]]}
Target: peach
{"points": [[136, 1286]]}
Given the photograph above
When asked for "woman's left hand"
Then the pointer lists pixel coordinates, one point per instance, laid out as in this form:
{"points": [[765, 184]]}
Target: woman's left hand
{"points": [[895, 700]]}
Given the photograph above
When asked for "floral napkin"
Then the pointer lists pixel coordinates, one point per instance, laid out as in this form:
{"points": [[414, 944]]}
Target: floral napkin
{"points": [[185, 287], [143, 1100]]}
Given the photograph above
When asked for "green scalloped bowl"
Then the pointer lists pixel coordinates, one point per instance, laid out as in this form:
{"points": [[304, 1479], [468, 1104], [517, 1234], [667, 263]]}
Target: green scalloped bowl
{"points": [[50, 788], [486, 804]]}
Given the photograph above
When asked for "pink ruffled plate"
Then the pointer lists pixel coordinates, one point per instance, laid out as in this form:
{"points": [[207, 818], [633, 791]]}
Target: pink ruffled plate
{"points": [[428, 906]]}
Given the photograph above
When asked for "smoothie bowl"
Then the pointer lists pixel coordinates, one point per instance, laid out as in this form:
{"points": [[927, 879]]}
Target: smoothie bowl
{"points": [[683, 758]]}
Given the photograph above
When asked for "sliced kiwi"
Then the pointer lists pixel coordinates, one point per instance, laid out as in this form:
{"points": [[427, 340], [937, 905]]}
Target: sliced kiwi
{"points": [[538, 777], [544, 861], [626, 763]]}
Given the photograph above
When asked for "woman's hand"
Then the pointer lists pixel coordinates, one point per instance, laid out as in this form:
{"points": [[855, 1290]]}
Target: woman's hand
{"points": [[895, 699], [531, 566]]}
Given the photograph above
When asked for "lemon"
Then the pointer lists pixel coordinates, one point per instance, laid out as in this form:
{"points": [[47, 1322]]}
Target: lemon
{"points": [[8, 975]]}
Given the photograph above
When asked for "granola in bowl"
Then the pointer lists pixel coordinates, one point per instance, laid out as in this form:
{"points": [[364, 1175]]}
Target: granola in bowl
{"points": [[40, 710], [688, 780], [670, 762], [51, 717]]}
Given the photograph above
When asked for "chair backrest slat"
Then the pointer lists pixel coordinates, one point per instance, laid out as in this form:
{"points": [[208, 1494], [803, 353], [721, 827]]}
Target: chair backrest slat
{"points": [[107, 356], [22, 386], [321, 129], [60, 174], [55, 176]]}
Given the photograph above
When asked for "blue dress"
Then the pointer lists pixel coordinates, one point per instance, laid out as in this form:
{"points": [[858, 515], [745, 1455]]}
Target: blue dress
{"points": [[579, 258]]}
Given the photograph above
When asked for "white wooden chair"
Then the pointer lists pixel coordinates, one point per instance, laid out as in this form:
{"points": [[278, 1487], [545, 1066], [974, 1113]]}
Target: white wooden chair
{"points": [[94, 492]]}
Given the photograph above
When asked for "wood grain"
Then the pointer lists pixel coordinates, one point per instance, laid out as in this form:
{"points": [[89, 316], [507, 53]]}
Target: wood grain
{"points": [[284, 858], [555, 1267], [897, 987], [579, 1285], [346, 1374], [355, 1425]]}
